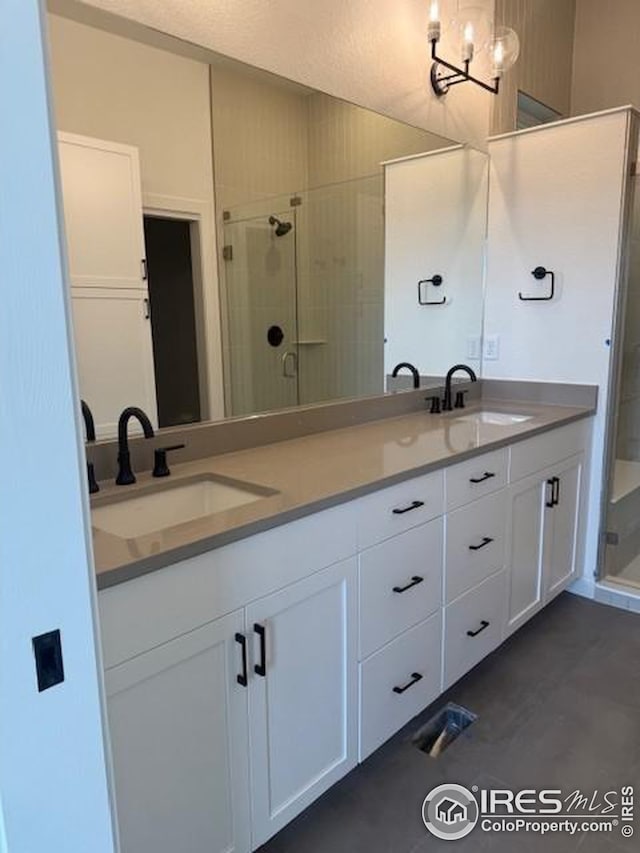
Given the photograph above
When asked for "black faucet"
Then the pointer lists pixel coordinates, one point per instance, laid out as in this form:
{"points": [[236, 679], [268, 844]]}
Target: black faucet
{"points": [[90, 432], [446, 403], [125, 474], [410, 367]]}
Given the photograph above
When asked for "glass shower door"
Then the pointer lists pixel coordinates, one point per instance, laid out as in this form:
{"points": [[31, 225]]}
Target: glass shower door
{"points": [[261, 302], [340, 277]]}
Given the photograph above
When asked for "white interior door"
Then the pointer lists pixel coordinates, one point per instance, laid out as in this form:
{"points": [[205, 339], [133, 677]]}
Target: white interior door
{"points": [[303, 711], [178, 722], [53, 777]]}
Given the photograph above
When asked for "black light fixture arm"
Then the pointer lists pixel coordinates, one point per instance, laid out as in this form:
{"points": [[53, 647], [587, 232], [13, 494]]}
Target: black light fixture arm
{"points": [[442, 84]]}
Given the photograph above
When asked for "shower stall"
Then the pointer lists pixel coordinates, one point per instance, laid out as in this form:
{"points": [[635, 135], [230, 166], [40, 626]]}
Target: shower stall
{"points": [[303, 297], [621, 562]]}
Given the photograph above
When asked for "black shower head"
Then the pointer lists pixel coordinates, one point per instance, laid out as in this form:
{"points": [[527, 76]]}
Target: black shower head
{"points": [[282, 228]]}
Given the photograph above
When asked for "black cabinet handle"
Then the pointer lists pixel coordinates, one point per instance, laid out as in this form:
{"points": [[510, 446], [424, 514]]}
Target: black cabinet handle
{"points": [[486, 540], [242, 640], [261, 668], [415, 678], [486, 476], [412, 505], [554, 482], [484, 624], [415, 580]]}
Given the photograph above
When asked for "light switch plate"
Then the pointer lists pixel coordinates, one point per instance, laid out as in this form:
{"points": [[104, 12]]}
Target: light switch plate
{"points": [[492, 347], [473, 348]]}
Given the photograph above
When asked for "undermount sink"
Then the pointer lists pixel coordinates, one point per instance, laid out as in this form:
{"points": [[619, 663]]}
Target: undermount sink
{"points": [[495, 418], [159, 508]]}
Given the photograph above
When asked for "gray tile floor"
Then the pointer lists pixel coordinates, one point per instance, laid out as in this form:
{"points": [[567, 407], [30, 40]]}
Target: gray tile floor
{"points": [[558, 707]]}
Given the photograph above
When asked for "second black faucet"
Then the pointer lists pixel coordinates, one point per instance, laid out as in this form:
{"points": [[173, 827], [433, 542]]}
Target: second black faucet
{"points": [[125, 474]]}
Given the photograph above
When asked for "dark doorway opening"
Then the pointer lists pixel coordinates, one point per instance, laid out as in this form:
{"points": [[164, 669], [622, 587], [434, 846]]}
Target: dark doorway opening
{"points": [[173, 319]]}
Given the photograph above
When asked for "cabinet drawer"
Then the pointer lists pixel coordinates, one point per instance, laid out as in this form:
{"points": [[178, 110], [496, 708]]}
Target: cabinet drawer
{"points": [[475, 543], [473, 627], [145, 612], [479, 476], [544, 450], [384, 710], [398, 508], [400, 584]]}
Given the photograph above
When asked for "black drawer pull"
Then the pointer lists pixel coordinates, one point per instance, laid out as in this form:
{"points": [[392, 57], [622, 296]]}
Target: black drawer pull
{"points": [[412, 505], [486, 476], [484, 624], [242, 678], [415, 678], [261, 668], [486, 540], [415, 580]]}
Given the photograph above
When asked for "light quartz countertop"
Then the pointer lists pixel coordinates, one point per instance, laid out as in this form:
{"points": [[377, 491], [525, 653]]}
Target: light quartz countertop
{"points": [[310, 474]]}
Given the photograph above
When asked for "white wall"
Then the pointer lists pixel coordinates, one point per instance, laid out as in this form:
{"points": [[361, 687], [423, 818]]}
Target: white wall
{"points": [[555, 200], [121, 90], [435, 224], [373, 54]]}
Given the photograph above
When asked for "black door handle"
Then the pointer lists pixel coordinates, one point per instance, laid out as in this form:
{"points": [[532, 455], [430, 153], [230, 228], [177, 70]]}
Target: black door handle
{"points": [[415, 580], [554, 482], [415, 678], [486, 540], [412, 505], [484, 624], [486, 476], [242, 640], [261, 668]]}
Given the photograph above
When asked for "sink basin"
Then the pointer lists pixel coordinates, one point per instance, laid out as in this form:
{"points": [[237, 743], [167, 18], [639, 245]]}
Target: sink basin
{"points": [[495, 418], [158, 509]]}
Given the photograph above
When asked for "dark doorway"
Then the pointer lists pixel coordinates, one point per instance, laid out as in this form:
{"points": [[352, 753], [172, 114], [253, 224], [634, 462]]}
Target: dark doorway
{"points": [[173, 319]]}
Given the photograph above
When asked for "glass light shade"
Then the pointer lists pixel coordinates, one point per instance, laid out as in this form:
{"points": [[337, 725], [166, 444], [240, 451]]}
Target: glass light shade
{"points": [[504, 49], [472, 25]]}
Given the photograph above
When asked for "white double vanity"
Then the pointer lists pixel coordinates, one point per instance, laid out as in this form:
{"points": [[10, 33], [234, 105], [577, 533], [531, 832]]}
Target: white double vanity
{"points": [[243, 682], [307, 581]]}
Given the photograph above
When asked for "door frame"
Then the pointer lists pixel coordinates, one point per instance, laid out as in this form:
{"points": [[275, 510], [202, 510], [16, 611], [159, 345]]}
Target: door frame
{"points": [[55, 779], [199, 214]]}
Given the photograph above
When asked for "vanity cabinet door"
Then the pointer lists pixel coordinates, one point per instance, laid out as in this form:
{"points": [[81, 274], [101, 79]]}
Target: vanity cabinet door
{"points": [[178, 723], [526, 550], [561, 547], [102, 201], [112, 333], [302, 694]]}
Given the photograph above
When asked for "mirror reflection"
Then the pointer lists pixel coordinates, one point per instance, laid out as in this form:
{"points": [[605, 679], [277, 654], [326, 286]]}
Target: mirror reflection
{"points": [[237, 245]]}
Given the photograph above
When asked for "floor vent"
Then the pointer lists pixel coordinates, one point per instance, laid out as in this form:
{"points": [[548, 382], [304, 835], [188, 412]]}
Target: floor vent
{"points": [[443, 728]]}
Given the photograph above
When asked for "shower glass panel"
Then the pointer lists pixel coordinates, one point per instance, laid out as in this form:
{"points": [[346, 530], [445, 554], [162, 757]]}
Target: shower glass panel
{"points": [[260, 283], [622, 549], [340, 282], [321, 282]]}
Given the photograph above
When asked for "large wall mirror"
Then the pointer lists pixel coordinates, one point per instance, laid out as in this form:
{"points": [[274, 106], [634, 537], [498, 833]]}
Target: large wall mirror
{"points": [[240, 243]]}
